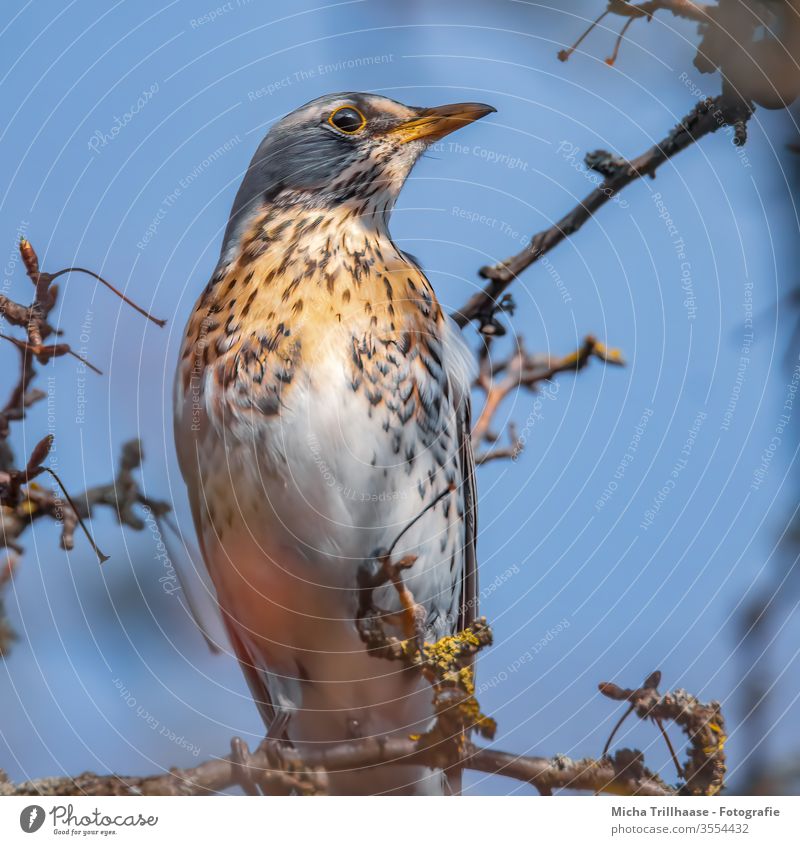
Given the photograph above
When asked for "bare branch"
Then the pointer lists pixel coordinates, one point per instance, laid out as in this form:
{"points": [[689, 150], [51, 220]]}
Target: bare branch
{"points": [[703, 724], [21, 501], [707, 117], [523, 369], [688, 9], [277, 768]]}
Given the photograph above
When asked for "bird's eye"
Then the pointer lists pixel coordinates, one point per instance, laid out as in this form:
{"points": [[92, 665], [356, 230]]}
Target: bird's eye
{"points": [[347, 119]]}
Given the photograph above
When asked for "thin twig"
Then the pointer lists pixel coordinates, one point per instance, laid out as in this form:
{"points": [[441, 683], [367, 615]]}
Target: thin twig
{"points": [[618, 43], [522, 370], [563, 55], [101, 557], [160, 323]]}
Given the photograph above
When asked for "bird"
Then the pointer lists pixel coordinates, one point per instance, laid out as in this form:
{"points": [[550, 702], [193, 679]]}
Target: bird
{"points": [[322, 414]]}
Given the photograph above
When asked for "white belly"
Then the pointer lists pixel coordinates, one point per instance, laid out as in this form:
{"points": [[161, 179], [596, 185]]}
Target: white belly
{"points": [[290, 509]]}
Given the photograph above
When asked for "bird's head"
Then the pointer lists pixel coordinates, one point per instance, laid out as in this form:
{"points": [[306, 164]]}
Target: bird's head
{"points": [[354, 149]]}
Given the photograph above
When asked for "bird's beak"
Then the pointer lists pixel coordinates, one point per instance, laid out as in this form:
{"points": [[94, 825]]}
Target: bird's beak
{"points": [[432, 124]]}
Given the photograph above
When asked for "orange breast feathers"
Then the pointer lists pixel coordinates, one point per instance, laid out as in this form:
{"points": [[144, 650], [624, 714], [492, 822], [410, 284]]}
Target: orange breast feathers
{"points": [[301, 281]]}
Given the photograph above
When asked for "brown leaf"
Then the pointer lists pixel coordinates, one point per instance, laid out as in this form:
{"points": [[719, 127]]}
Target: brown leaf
{"points": [[40, 451], [610, 690]]}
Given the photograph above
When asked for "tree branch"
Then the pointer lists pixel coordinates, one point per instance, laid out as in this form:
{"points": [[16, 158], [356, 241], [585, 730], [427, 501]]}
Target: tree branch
{"points": [[706, 117], [21, 501], [703, 725], [680, 8], [276, 767], [523, 369]]}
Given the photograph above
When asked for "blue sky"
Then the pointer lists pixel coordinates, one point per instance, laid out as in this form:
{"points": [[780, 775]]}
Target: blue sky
{"points": [[125, 136]]}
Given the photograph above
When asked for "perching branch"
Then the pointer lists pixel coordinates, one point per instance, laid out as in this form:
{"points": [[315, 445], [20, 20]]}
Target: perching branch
{"points": [[276, 768]]}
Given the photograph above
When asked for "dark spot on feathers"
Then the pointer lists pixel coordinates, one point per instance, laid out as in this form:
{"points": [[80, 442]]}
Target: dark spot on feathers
{"points": [[284, 375], [406, 412], [268, 403]]}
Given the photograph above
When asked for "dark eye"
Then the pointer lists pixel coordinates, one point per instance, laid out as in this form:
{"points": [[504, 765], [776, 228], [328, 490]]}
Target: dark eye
{"points": [[348, 119]]}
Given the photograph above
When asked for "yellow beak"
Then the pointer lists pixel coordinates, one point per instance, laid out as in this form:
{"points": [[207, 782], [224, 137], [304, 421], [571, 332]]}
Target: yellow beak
{"points": [[432, 124]]}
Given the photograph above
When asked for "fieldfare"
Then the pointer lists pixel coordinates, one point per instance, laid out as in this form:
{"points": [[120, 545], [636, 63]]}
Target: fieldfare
{"points": [[321, 416]]}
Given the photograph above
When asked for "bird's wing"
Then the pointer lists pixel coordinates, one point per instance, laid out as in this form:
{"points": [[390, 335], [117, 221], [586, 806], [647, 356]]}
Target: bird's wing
{"points": [[461, 366], [251, 670], [254, 676], [468, 588], [468, 610], [198, 596], [188, 460], [469, 576]]}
